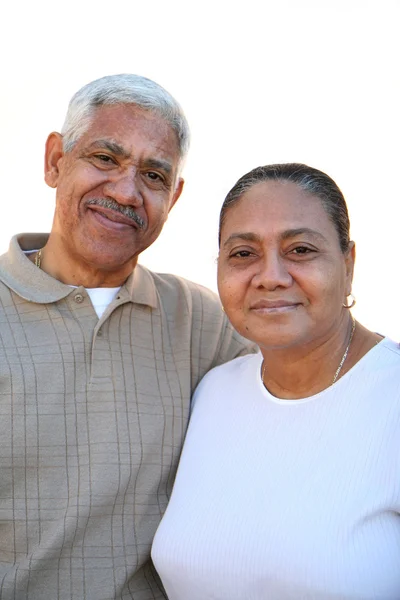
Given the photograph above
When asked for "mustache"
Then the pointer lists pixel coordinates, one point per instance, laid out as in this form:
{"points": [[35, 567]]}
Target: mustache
{"points": [[127, 211]]}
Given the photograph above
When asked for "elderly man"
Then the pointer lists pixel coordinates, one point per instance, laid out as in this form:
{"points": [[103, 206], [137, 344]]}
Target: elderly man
{"points": [[98, 355]]}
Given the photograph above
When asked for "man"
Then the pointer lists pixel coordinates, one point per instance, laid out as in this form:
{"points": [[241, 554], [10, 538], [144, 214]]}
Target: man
{"points": [[98, 355]]}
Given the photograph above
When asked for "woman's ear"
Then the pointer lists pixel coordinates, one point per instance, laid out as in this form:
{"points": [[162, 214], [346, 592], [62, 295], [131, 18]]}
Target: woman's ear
{"points": [[350, 259]]}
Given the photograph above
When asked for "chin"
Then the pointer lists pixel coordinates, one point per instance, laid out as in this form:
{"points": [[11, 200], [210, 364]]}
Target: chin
{"points": [[273, 337], [105, 249], [106, 260]]}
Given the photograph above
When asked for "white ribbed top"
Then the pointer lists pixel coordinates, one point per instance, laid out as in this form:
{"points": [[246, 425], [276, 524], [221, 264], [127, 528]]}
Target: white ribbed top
{"points": [[288, 499]]}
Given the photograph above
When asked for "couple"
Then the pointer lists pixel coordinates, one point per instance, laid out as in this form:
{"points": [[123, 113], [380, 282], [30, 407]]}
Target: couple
{"points": [[288, 483]]}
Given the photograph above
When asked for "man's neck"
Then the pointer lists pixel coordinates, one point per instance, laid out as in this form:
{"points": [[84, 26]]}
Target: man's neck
{"points": [[76, 272]]}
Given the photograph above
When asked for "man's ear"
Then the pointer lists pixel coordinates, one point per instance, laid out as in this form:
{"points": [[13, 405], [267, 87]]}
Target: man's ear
{"points": [[349, 262], [177, 192], [53, 153]]}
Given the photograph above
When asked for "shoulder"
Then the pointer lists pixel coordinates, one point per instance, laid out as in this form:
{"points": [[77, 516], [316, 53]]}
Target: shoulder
{"points": [[373, 384], [231, 373], [386, 362], [194, 313], [186, 302], [384, 357], [225, 388], [172, 287], [390, 349]]}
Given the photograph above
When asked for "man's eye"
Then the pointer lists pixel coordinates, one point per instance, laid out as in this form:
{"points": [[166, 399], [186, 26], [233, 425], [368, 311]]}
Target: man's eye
{"points": [[154, 176], [104, 158]]}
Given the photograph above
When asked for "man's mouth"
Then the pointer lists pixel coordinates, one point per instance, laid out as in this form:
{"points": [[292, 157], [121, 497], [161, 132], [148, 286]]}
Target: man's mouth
{"points": [[120, 215]]}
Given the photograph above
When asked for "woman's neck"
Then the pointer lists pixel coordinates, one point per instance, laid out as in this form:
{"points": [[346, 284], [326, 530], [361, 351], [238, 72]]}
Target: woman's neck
{"points": [[300, 372]]}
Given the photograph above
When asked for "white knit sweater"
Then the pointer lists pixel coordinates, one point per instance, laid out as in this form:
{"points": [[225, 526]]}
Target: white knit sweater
{"points": [[288, 499]]}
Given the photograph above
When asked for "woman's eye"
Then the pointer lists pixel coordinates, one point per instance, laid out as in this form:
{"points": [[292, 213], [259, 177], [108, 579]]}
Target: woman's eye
{"points": [[301, 250], [241, 254]]}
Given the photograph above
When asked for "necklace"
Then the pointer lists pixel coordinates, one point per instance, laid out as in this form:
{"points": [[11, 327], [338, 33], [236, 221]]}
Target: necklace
{"points": [[38, 258], [345, 352], [337, 373]]}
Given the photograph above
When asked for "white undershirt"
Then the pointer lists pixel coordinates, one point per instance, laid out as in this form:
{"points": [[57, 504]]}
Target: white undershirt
{"points": [[284, 499], [100, 297]]}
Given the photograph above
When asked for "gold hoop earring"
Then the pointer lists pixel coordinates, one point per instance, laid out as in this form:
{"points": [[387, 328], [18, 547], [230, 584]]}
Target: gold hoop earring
{"points": [[353, 301]]}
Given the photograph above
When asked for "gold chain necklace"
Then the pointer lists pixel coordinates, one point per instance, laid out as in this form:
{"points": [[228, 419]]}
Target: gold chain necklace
{"points": [[38, 258], [336, 375], [345, 352]]}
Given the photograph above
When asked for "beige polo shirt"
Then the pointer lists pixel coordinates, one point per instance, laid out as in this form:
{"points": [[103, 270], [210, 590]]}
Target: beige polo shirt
{"points": [[93, 413]]}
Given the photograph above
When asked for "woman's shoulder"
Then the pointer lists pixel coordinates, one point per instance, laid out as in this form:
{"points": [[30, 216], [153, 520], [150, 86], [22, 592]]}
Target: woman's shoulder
{"points": [[233, 373], [386, 353], [391, 347], [378, 372], [233, 368], [228, 380]]}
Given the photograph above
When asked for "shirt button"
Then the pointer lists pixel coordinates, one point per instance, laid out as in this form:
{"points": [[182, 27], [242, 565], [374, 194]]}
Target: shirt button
{"points": [[99, 333], [79, 298]]}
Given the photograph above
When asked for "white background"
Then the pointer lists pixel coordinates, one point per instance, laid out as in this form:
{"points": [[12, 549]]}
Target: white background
{"points": [[260, 82]]}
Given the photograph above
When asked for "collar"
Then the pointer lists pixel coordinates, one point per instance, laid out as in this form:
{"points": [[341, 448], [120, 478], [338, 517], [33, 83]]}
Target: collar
{"points": [[25, 279]]}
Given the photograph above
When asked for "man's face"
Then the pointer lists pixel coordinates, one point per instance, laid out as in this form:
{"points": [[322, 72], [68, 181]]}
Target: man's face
{"points": [[115, 187]]}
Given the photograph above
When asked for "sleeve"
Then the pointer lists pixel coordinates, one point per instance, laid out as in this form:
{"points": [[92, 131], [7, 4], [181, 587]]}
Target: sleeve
{"points": [[233, 345], [199, 330]]}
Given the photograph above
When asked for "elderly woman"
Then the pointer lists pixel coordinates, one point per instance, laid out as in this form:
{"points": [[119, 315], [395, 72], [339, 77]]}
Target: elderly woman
{"points": [[289, 482]]}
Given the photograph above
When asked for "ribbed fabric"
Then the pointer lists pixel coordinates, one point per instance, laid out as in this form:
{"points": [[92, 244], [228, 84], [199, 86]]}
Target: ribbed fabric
{"points": [[93, 413], [288, 499]]}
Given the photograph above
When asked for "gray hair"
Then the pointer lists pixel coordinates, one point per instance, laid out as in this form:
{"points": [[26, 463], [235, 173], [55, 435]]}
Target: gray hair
{"points": [[310, 180], [123, 89]]}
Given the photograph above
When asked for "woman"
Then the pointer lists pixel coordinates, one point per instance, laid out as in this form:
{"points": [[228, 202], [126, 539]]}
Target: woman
{"points": [[288, 486]]}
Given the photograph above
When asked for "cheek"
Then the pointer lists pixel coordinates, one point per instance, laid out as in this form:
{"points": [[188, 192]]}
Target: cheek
{"points": [[156, 209], [65, 200], [323, 285], [231, 289], [75, 182]]}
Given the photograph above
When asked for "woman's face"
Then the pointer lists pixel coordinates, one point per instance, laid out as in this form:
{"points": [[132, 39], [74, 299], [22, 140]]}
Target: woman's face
{"points": [[282, 276]]}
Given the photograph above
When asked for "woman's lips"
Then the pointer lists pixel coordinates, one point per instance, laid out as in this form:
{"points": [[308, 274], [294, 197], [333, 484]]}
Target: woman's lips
{"points": [[274, 306]]}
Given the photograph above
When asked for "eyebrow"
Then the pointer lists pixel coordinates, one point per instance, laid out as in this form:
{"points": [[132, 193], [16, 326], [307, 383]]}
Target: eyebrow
{"points": [[157, 163], [248, 237], [110, 145], [301, 231], [289, 233]]}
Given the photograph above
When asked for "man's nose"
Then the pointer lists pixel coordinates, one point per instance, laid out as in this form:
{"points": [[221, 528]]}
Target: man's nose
{"points": [[272, 273], [125, 190]]}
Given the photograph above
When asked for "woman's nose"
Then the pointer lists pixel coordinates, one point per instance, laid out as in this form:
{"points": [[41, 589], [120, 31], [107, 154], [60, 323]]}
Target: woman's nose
{"points": [[272, 273]]}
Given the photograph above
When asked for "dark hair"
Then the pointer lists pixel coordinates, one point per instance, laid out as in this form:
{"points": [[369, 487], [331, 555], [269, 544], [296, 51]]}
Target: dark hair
{"points": [[310, 180]]}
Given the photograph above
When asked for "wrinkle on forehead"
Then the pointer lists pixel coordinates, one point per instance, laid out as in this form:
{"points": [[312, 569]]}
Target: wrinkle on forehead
{"points": [[119, 120]]}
